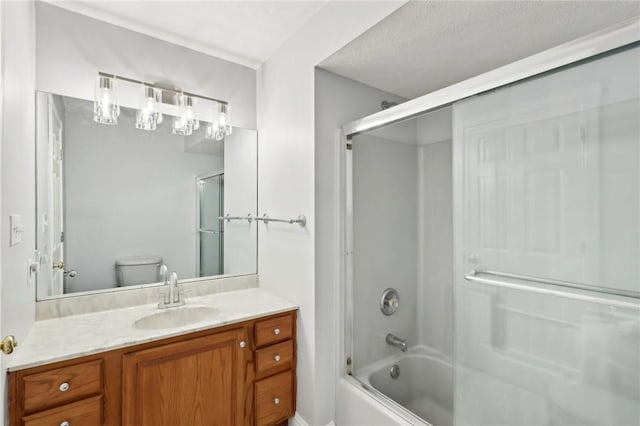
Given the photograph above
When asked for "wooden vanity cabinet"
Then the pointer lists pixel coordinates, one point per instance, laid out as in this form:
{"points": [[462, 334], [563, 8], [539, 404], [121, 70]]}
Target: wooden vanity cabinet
{"points": [[221, 376], [213, 368]]}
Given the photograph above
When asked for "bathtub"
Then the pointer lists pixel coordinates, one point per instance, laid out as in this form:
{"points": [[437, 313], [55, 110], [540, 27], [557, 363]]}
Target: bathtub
{"points": [[423, 388]]}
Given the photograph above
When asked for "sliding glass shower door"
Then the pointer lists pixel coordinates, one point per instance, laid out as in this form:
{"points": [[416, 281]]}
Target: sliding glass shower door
{"points": [[493, 259], [210, 227], [547, 317]]}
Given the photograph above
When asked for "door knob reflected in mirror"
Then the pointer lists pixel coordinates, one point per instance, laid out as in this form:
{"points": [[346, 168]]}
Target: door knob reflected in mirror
{"points": [[71, 274]]}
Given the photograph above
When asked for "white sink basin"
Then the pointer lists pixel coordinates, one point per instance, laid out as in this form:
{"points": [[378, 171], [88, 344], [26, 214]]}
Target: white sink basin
{"points": [[176, 317]]}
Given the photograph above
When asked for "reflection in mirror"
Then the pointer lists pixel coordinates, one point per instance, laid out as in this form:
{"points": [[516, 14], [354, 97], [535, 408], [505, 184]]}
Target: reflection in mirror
{"points": [[114, 203]]}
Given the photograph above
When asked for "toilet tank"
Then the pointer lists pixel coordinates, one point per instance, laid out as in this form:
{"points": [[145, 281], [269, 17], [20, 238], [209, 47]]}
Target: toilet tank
{"points": [[138, 270]]}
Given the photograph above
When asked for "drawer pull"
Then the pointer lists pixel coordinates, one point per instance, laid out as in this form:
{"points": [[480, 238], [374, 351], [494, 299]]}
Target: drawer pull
{"points": [[276, 401], [243, 344], [64, 387], [65, 423], [276, 358], [276, 331]]}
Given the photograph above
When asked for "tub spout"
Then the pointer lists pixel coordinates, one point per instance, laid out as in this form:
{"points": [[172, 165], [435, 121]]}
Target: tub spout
{"points": [[397, 342]]}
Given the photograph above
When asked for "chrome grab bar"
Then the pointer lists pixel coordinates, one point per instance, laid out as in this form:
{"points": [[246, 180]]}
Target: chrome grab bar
{"points": [[475, 276], [300, 220], [229, 218]]}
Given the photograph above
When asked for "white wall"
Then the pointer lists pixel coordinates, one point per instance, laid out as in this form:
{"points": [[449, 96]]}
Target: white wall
{"points": [[287, 180], [127, 193], [72, 48], [17, 167]]}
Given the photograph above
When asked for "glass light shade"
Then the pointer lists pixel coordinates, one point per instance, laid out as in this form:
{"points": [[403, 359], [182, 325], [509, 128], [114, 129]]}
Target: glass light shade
{"points": [[105, 106], [180, 126], [148, 117], [186, 123], [221, 127]]}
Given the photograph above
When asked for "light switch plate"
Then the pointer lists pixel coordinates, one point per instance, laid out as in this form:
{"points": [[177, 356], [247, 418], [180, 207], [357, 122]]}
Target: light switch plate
{"points": [[15, 229]]}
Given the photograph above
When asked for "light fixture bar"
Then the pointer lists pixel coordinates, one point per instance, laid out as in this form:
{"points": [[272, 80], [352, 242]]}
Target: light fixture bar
{"points": [[166, 89]]}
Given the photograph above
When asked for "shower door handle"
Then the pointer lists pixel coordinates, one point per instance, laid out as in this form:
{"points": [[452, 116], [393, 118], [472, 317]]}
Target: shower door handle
{"points": [[542, 286]]}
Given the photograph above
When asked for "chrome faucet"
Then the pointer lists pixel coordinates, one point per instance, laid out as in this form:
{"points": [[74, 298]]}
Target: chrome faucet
{"points": [[173, 297], [397, 342]]}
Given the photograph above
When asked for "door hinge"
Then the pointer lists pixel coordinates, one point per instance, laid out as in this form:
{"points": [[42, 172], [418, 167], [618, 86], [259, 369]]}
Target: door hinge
{"points": [[62, 237], [349, 366]]}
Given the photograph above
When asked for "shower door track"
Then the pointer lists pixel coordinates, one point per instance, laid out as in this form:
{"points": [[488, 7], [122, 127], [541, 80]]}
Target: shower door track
{"points": [[625, 34]]}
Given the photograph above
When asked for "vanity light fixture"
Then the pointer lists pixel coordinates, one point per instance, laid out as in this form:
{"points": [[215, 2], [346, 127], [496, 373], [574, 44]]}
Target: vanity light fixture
{"points": [[105, 106], [221, 127], [148, 117], [186, 123]]}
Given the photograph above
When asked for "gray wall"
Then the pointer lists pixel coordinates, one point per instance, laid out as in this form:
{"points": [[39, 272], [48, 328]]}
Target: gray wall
{"points": [[72, 48], [435, 251], [385, 241], [127, 193]]}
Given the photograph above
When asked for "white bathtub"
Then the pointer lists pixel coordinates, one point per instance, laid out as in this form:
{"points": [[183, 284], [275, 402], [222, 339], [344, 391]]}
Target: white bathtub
{"points": [[424, 386]]}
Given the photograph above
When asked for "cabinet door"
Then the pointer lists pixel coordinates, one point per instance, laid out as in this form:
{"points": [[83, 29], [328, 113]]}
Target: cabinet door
{"points": [[196, 382]]}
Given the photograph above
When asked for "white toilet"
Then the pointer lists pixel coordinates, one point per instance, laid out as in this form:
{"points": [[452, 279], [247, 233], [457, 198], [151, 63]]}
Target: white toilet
{"points": [[138, 270]]}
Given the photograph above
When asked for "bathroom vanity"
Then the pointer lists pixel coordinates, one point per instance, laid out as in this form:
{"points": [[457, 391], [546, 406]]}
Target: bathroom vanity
{"points": [[236, 365]]}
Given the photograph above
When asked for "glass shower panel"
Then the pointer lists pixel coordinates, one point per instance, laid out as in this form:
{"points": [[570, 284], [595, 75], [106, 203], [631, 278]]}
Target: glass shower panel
{"points": [[547, 320], [401, 230], [524, 359], [210, 230], [551, 176]]}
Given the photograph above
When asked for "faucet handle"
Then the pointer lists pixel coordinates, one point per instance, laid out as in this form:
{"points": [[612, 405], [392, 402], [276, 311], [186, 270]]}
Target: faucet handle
{"points": [[162, 298], [164, 273]]}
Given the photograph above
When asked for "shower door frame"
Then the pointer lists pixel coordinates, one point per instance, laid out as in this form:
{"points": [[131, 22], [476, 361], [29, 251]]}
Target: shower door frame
{"points": [[622, 35], [198, 229]]}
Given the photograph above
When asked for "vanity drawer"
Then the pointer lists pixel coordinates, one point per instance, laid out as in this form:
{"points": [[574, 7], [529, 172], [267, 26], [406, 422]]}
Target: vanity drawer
{"points": [[61, 385], [273, 330], [274, 358], [274, 399], [87, 412]]}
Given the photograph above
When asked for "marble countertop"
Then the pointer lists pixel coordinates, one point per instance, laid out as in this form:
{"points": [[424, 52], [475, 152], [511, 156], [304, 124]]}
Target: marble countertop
{"points": [[74, 336]]}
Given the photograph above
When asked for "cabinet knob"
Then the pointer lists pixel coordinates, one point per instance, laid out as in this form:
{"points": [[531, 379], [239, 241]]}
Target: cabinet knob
{"points": [[276, 331], [64, 387], [243, 344], [276, 401], [277, 358], [65, 423]]}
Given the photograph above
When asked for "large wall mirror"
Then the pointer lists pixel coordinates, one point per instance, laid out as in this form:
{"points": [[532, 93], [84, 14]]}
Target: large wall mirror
{"points": [[114, 203]]}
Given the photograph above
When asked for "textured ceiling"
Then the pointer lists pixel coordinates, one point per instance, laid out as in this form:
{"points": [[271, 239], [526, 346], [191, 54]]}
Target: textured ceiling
{"points": [[425, 46], [246, 32]]}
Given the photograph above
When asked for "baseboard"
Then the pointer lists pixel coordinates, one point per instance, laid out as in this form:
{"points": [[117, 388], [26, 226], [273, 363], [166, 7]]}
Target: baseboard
{"points": [[297, 420]]}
